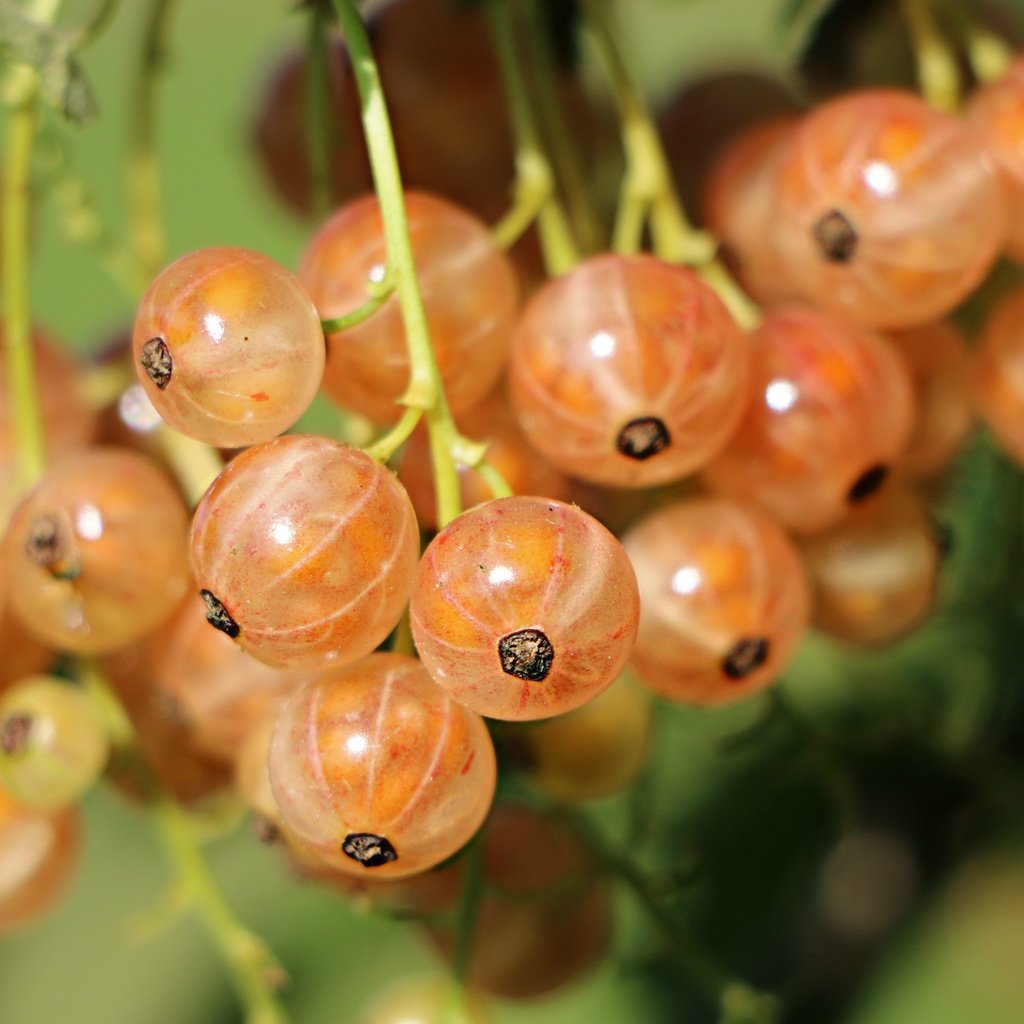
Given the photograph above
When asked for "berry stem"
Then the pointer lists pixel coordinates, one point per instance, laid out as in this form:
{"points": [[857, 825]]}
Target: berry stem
{"points": [[535, 181], [384, 447], [469, 906], [425, 392], [988, 55], [22, 123], [145, 206], [937, 72], [564, 156], [712, 978], [360, 313], [21, 372], [253, 969], [648, 195], [316, 95]]}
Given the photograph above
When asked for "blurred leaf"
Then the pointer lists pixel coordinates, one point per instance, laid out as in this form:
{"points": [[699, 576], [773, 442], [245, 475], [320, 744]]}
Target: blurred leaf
{"points": [[51, 52]]}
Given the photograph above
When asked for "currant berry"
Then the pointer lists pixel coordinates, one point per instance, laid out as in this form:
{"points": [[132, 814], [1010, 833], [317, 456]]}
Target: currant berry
{"points": [[723, 600], [596, 750], [373, 767], [97, 552], [492, 422], [939, 364], [739, 207], [219, 690], [53, 744], [888, 211], [874, 575], [228, 346], [832, 411], [996, 111], [999, 373], [23, 655], [38, 853], [524, 608], [305, 551], [628, 371], [545, 917], [469, 294]]}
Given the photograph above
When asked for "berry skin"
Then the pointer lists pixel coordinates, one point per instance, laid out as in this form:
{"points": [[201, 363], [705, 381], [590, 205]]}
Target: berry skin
{"points": [[874, 574], [628, 371], [97, 551], [374, 768], [832, 409], [724, 600], [423, 999], [38, 854], [53, 743], [524, 608], [996, 111], [545, 918], [470, 298], [998, 378], [304, 551], [228, 347], [888, 211], [939, 363]]}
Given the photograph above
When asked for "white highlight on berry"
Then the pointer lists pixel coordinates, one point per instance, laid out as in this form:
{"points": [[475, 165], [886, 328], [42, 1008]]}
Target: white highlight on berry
{"points": [[89, 522], [500, 574], [780, 394], [602, 345], [881, 178], [686, 580], [215, 326]]}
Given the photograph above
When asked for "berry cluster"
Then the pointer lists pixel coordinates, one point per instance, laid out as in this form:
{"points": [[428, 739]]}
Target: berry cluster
{"points": [[667, 481]]}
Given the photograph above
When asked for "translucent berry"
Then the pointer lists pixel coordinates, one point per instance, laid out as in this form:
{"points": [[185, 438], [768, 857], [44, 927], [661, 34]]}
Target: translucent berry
{"points": [[996, 112], [939, 364], [23, 655], [525, 470], [97, 552], [53, 743], [545, 918], [305, 550], [469, 294], [723, 600], [228, 346], [874, 575], [524, 608], [220, 690], [832, 410], [739, 207], [628, 371], [38, 853], [999, 373], [596, 750], [376, 768], [888, 211]]}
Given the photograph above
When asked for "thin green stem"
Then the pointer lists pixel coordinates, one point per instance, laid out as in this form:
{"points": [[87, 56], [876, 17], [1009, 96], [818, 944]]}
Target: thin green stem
{"points": [[425, 391], [316, 93], [252, 966], [937, 71], [989, 56], [498, 485], [359, 314], [384, 447], [648, 195], [470, 895], [714, 980], [535, 181], [145, 205], [26, 415], [565, 158]]}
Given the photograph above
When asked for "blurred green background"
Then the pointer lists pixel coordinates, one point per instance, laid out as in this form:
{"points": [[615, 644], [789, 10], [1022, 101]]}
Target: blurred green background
{"points": [[915, 917]]}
